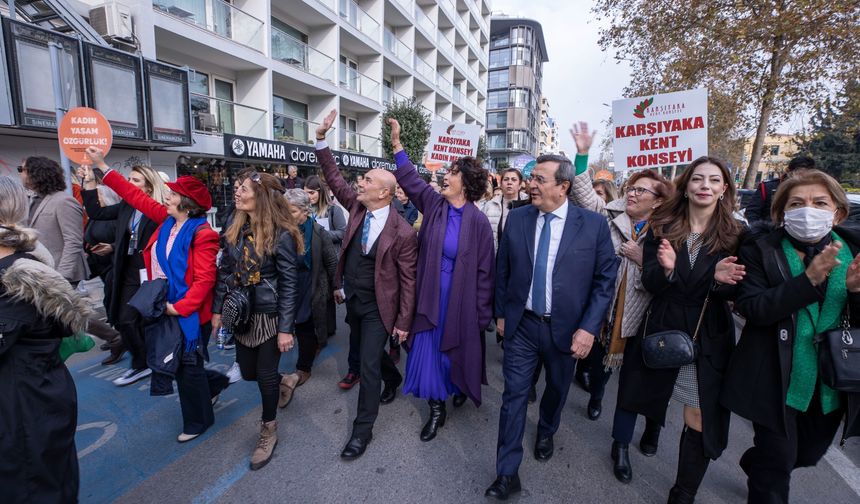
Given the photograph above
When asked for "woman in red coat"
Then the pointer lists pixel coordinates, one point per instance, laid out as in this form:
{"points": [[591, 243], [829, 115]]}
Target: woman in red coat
{"points": [[182, 250]]}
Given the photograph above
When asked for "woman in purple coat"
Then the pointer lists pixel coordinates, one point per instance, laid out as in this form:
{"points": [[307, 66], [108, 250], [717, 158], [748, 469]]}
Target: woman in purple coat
{"points": [[455, 286]]}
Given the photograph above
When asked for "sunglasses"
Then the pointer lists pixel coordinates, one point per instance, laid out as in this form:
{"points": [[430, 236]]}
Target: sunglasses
{"points": [[256, 178]]}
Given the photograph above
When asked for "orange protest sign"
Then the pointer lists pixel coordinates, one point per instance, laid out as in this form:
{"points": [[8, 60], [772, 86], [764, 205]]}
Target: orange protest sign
{"points": [[83, 127], [604, 175]]}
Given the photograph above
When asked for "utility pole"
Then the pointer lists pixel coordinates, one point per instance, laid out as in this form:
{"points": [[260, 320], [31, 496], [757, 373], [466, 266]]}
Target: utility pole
{"points": [[60, 105]]}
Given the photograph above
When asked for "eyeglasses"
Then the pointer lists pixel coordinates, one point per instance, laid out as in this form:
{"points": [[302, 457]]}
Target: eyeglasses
{"points": [[639, 191], [21, 169]]}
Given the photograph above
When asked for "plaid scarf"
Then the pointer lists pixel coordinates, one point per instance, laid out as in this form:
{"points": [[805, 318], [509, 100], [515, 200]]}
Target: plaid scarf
{"points": [[248, 271]]}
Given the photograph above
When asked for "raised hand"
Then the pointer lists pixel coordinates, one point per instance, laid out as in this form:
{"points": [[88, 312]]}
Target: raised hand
{"points": [[820, 267], [326, 124], [666, 256], [97, 156], [395, 134], [729, 272], [582, 138]]}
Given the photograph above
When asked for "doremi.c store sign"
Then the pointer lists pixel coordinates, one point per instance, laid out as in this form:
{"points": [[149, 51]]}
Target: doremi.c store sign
{"points": [[660, 130]]}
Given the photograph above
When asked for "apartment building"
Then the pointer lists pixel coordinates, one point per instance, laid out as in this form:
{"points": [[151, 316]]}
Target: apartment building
{"points": [[517, 55], [263, 73], [548, 135]]}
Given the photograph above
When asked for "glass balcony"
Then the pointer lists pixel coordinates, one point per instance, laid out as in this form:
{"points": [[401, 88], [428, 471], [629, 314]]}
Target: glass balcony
{"points": [[293, 51], [406, 4], [395, 47], [443, 42], [293, 129], [424, 22], [330, 4], [355, 15], [218, 17], [457, 95], [444, 84], [356, 142], [389, 95], [357, 82], [423, 68], [217, 116]]}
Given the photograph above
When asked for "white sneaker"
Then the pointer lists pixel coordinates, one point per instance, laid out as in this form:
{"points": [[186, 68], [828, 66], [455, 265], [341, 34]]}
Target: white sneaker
{"points": [[184, 438], [233, 373], [132, 376]]}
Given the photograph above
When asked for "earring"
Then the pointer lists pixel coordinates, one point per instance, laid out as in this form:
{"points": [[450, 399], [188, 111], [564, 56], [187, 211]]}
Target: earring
{"points": [[686, 196], [722, 196]]}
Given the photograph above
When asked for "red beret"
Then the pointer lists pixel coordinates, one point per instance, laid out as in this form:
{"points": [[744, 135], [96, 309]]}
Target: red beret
{"points": [[193, 188]]}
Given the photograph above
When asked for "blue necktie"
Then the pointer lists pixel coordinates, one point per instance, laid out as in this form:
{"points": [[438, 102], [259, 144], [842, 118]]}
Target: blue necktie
{"points": [[541, 258], [365, 232]]}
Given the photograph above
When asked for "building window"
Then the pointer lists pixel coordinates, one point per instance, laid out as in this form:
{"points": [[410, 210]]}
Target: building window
{"points": [[774, 150], [519, 140], [498, 79], [290, 120], [520, 98], [497, 120], [521, 35], [497, 99], [496, 141], [500, 58], [521, 55], [499, 41]]}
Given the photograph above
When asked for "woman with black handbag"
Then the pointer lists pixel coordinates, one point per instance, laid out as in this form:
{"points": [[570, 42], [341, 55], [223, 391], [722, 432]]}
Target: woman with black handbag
{"points": [[258, 277], [803, 279], [687, 264]]}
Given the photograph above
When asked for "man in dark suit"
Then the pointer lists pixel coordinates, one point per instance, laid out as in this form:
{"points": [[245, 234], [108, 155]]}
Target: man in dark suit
{"points": [[377, 272], [555, 275]]}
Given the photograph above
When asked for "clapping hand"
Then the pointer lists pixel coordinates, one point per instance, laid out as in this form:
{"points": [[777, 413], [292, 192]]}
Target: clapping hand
{"points": [[326, 124], [666, 256], [729, 272], [632, 250], [821, 266], [582, 137], [852, 277]]}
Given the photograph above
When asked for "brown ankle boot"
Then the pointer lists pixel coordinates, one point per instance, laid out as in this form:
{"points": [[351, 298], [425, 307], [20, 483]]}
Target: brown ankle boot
{"points": [[265, 445], [303, 377], [287, 387]]}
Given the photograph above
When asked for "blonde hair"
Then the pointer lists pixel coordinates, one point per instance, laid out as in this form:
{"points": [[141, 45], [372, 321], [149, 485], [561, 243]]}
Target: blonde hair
{"points": [[154, 182], [13, 212]]}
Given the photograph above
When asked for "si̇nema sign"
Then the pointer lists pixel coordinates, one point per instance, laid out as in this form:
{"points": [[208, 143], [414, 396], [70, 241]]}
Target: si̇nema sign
{"points": [[660, 130], [273, 151]]}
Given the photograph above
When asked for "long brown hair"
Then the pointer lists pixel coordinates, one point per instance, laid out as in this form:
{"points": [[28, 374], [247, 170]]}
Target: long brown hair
{"points": [[271, 216], [671, 220]]}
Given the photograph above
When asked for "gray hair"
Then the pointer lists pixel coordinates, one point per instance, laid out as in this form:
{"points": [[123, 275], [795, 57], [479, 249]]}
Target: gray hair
{"points": [[565, 172], [299, 199], [13, 215], [108, 196]]}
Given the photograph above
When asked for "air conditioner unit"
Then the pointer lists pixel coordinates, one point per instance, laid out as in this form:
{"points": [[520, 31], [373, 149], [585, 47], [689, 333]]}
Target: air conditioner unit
{"points": [[112, 21]]}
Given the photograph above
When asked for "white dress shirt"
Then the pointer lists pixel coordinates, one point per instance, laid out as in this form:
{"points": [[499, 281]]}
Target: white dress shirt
{"points": [[556, 230], [376, 224]]}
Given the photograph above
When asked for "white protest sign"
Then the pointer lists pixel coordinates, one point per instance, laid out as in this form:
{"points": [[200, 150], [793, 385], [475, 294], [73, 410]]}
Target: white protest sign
{"points": [[451, 141], [660, 130]]}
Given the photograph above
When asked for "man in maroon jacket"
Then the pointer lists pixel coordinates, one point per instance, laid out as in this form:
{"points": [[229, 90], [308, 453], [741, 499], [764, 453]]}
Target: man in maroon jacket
{"points": [[377, 273]]}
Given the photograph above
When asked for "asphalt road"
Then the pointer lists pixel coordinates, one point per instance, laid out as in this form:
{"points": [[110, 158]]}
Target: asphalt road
{"points": [[129, 454]]}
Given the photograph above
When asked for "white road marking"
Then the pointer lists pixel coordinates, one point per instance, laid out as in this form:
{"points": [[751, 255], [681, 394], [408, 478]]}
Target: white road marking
{"points": [[844, 467]]}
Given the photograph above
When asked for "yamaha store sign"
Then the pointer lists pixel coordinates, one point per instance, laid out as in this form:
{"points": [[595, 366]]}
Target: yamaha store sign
{"points": [[273, 151]]}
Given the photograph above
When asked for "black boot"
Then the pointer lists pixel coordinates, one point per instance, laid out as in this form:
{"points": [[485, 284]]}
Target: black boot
{"points": [[692, 465], [650, 438], [621, 462], [436, 420]]}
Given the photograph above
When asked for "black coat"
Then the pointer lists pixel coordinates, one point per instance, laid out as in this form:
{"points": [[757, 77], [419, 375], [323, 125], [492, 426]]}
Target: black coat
{"points": [[677, 304], [277, 290], [122, 213], [323, 268], [757, 380], [99, 231]]}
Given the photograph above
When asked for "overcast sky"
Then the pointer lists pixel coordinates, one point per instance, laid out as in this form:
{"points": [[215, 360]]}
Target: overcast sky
{"points": [[579, 78]]}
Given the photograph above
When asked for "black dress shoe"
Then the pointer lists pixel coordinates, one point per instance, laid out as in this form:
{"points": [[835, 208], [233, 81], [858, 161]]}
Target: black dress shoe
{"points": [[543, 448], [584, 380], [503, 487], [621, 462], [649, 441], [532, 394], [355, 448], [438, 414], [595, 408], [389, 393], [459, 400]]}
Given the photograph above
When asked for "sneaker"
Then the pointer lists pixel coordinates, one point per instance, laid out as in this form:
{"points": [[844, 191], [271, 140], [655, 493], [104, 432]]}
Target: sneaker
{"points": [[230, 344], [131, 376], [349, 381], [234, 374], [184, 438]]}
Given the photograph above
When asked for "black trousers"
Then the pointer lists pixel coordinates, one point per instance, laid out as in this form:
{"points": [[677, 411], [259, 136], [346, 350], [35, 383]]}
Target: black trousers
{"points": [[260, 364], [599, 375], [306, 337], [531, 343], [769, 462], [197, 386], [129, 321], [376, 365]]}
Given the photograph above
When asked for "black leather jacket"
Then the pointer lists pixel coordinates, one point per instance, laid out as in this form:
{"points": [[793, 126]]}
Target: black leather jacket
{"points": [[277, 290]]}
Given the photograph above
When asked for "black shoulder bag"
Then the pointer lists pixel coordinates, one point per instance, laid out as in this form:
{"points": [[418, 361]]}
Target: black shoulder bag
{"points": [[839, 356], [671, 349]]}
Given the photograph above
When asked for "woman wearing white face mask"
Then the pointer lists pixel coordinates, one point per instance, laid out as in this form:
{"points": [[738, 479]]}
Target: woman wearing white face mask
{"points": [[801, 277]]}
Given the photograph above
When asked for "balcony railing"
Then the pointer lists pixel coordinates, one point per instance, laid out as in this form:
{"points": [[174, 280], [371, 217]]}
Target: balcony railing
{"points": [[356, 142], [406, 4], [293, 129], [218, 17], [389, 95], [444, 84], [448, 7], [443, 42], [217, 116], [423, 68], [424, 22], [293, 51], [357, 82], [395, 47], [357, 17]]}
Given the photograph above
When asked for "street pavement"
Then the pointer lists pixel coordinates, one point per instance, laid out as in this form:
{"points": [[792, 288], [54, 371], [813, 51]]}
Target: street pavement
{"points": [[129, 454]]}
